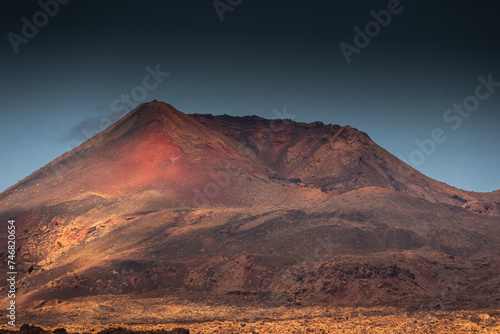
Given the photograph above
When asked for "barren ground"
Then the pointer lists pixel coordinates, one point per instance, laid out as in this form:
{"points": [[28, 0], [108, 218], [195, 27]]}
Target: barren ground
{"points": [[93, 316]]}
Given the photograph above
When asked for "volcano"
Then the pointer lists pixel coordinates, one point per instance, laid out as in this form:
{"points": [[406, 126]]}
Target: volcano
{"points": [[223, 209]]}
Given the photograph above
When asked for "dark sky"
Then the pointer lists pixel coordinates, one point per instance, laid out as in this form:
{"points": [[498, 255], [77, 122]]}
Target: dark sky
{"points": [[71, 74]]}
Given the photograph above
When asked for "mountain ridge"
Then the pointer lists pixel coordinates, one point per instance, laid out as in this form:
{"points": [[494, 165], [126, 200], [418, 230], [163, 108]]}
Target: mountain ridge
{"points": [[227, 207], [175, 116]]}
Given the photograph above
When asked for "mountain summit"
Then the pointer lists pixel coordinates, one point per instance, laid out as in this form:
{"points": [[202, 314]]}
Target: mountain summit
{"points": [[237, 208]]}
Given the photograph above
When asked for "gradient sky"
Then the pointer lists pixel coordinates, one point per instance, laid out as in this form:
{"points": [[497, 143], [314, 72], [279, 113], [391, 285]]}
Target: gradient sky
{"points": [[263, 55]]}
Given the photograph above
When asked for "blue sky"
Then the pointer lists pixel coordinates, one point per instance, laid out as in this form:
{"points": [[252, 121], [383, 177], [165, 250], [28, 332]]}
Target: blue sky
{"points": [[262, 56]]}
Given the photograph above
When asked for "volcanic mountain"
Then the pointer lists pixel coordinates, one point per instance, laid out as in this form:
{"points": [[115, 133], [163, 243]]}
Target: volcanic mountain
{"points": [[215, 207]]}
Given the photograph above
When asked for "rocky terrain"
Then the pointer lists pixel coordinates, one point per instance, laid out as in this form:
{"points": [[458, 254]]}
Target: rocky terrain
{"points": [[244, 212], [251, 320]]}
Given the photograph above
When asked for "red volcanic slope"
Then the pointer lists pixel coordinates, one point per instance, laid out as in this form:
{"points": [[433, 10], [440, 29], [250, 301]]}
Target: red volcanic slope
{"points": [[332, 158], [218, 204], [155, 147]]}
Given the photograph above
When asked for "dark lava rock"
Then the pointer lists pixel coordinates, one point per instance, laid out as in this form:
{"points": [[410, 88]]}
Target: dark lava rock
{"points": [[60, 331], [121, 330], [28, 329]]}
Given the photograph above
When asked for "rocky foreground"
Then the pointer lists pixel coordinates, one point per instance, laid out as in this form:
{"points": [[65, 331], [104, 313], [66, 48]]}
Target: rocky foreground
{"points": [[220, 224], [283, 320], [29, 329]]}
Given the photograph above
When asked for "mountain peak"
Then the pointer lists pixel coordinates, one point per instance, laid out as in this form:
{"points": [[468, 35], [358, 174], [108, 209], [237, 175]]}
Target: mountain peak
{"points": [[209, 204], [156, 110], [164, 115]]}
